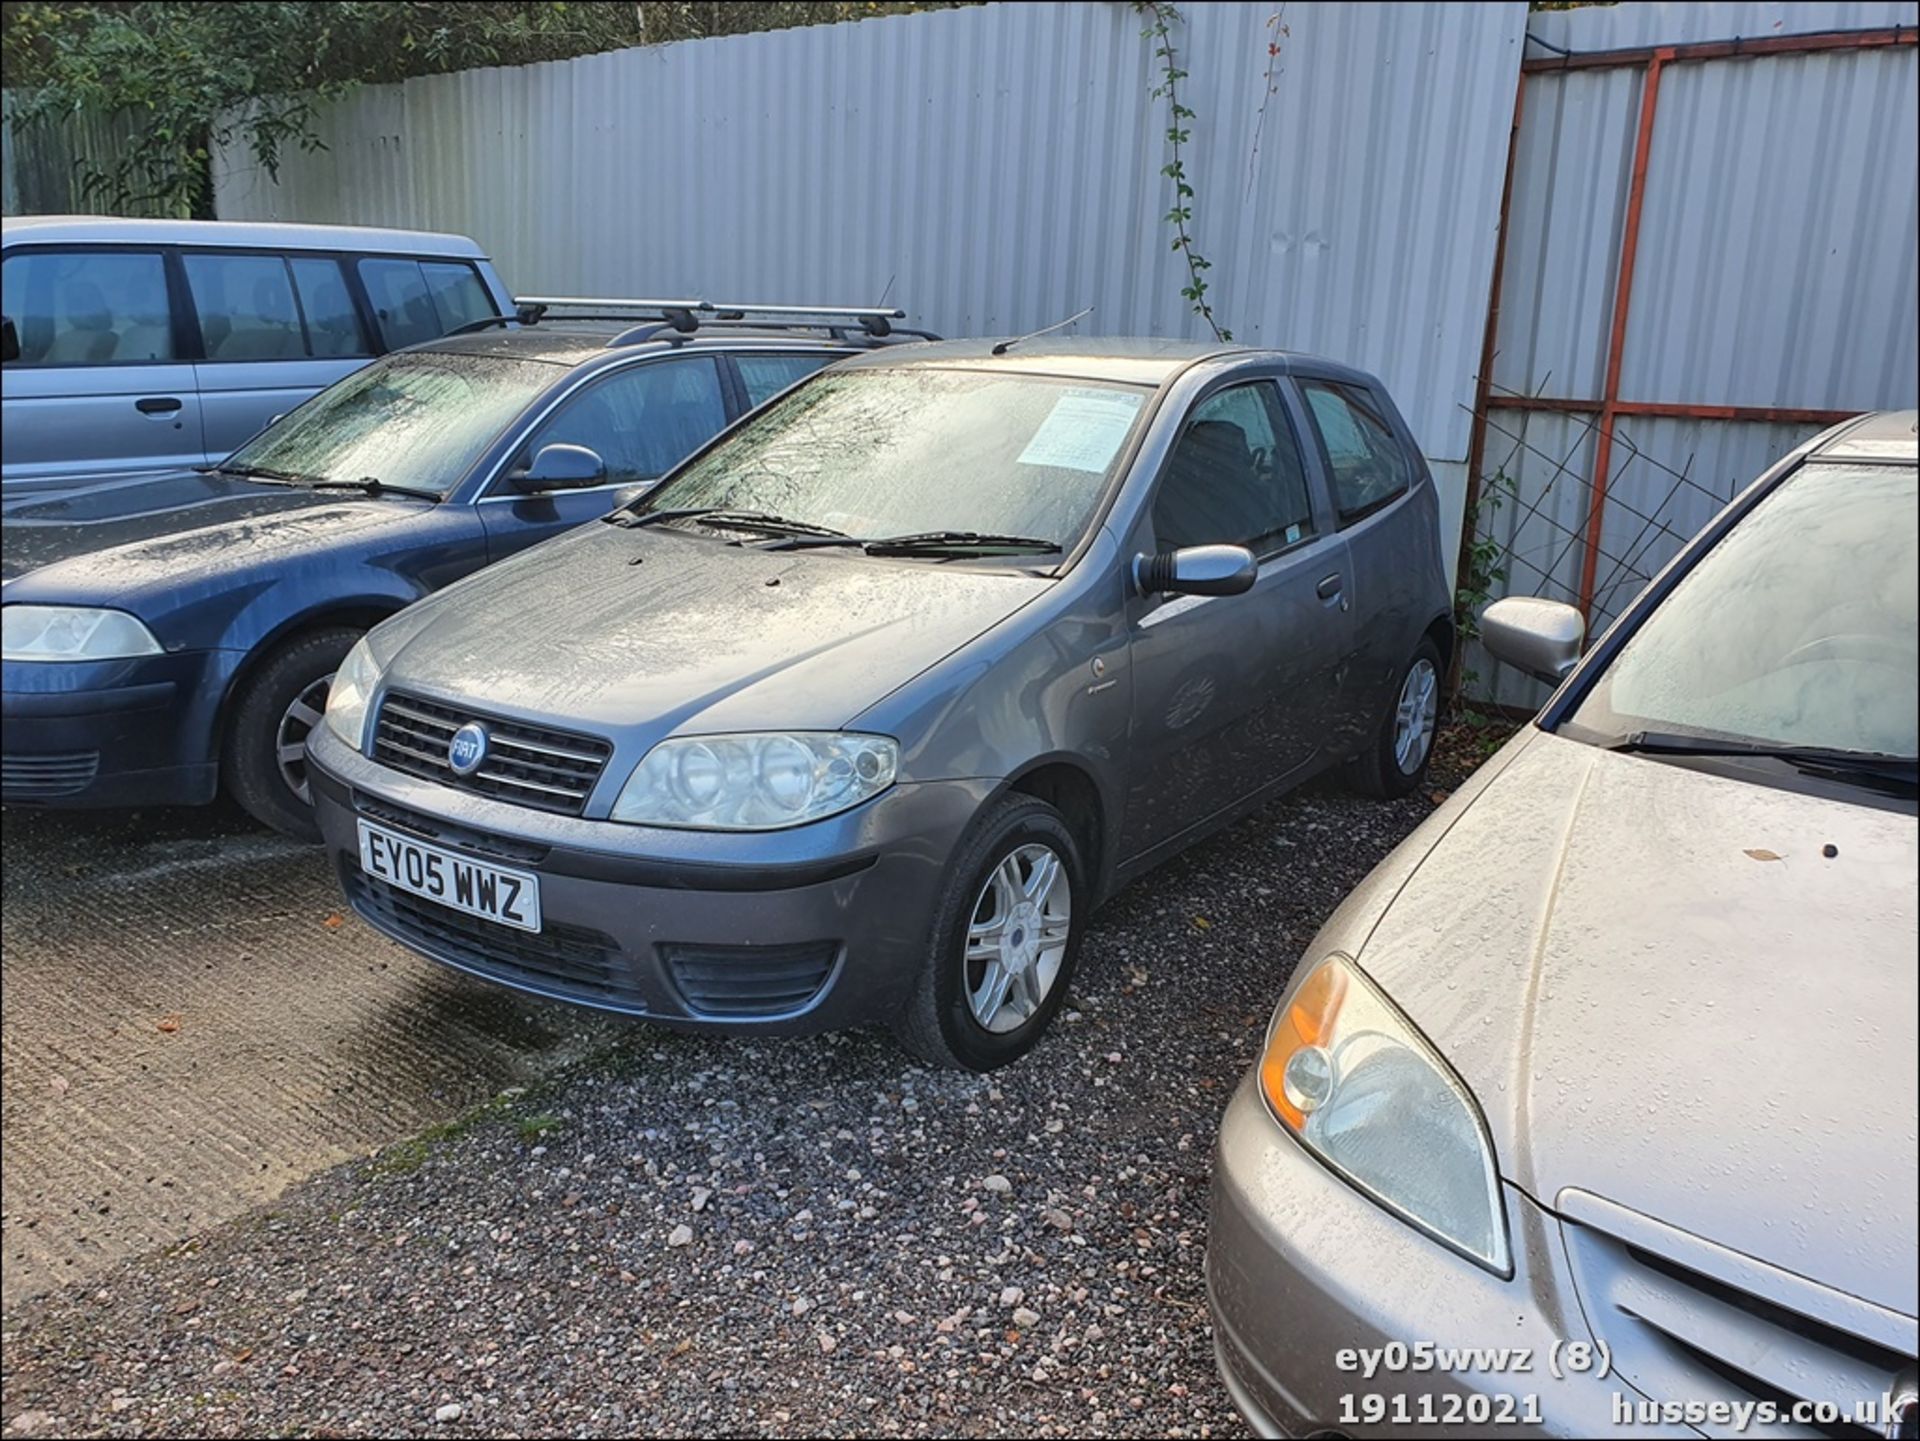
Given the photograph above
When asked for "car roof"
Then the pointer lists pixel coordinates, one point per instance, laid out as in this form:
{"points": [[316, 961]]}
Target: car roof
{"points": [[97, 229], [1884, 435], [574, 342], [1130, 360]]}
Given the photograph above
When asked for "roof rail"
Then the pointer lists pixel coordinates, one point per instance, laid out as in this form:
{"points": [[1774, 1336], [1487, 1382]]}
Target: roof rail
{"points": [[685, 316]]}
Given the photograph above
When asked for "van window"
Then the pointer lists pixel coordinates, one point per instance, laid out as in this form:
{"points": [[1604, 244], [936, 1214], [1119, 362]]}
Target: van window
{"points": [[98, 307], [333, 325], [246, 307], [416, 301]]}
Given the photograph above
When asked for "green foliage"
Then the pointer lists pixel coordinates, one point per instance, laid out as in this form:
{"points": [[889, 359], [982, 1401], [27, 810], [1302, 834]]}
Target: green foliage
{"points": [[1483, 568], [1161, 17], [193, 74]]}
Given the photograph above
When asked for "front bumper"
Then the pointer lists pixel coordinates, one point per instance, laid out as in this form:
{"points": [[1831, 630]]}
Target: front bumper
{"points": [[112, 733], [813, 928], [1302, 1268]]}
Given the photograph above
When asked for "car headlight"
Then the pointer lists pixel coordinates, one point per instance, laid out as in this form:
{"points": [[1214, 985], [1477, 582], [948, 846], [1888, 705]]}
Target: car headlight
{"points": [[71, 632], [1350, 1077], [349, 696], [755, 782]]}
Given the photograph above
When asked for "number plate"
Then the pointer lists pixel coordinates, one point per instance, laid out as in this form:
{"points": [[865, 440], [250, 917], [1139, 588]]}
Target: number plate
{"points": [[510, 897]]}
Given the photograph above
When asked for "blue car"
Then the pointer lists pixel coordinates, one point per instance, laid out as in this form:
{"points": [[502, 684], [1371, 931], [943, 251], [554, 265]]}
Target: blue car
{"points": [[169, 638]]}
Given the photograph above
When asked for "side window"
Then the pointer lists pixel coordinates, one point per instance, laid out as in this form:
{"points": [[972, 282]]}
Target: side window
{"points": [[416, 301], [333, 326], [246, 307], [101, 307], [1234, 476], [458, 296], [1369, 467], [765, 376], [642, 422]]}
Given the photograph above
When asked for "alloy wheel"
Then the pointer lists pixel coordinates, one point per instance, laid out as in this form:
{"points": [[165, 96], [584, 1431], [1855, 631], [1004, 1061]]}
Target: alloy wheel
{"points": [[1017, 937], [1414, 717], [290, 738]]}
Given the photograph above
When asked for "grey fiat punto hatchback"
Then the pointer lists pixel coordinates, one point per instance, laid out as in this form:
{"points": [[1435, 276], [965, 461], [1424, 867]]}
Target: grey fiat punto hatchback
{"points": [[860, 712]]}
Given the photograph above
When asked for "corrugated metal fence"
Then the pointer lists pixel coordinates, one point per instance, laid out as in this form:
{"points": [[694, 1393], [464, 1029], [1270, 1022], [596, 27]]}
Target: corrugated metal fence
{"points": [[995, 169], [1773, 289], [998, 168], [42, 165]]}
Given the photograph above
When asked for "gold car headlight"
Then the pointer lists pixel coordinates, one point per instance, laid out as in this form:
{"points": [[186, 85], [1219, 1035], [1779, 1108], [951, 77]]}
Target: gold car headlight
{"points": [[1362, 1089]]}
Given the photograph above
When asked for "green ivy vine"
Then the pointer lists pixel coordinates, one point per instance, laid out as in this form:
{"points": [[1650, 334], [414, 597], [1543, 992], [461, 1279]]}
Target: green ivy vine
{"points": [[1161, 18]]}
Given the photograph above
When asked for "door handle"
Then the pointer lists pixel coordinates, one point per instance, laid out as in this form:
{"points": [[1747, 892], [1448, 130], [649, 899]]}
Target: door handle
{"points": [[1329, 586], [157, 405]]}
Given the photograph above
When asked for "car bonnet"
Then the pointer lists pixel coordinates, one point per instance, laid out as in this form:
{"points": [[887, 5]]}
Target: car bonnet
{"points": [[638, 634], [1663, 992]]}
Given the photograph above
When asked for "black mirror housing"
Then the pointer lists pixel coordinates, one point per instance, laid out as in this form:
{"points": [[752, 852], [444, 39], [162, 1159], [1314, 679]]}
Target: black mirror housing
{"points": [[1197, 570], [9, 339]]}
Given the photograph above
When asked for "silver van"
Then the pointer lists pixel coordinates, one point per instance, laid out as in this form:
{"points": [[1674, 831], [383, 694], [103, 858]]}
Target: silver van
{"points": [[134, 346]]}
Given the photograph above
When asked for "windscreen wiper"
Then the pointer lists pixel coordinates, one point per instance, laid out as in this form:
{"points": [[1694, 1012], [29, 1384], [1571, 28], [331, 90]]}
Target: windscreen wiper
{"points": [[1902, 771], [721, 518], [959, 542], [374, 485], [260, 472]]}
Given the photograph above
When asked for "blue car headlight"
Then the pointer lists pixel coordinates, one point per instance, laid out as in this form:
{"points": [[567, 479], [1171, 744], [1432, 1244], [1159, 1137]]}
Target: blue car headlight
{"points": [[72, 632]]}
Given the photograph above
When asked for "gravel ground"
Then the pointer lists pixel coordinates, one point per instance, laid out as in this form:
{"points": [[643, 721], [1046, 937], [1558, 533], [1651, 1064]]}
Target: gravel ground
{"points": [[697, 1235]]}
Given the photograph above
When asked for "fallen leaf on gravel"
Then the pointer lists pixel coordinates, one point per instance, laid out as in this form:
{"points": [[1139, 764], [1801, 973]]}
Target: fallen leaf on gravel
{"points": [[1438, 797], [1203, 923], [334, 921], [1763, 855], [168, 1024], [59, 1084]]}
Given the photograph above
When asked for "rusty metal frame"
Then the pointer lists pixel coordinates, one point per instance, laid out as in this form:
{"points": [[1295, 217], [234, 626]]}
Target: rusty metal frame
{"points": [[1609, 407]]}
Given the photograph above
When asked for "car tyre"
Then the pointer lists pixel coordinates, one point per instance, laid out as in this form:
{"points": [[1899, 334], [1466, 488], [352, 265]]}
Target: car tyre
{"points": [[992, 882], [275, 708], [1396, 762]]}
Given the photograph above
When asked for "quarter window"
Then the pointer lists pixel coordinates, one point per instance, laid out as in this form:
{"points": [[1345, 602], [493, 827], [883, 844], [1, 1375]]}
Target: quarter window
{"points": [[416, 301], [102, 307], [1369, 466], [642, 422], [765, 376], [1235, 476]]}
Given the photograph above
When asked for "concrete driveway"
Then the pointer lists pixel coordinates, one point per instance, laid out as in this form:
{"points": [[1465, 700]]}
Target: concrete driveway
{"points": [[191, 1023]]}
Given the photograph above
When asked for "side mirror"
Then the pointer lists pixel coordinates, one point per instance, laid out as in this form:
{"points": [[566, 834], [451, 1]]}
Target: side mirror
{"points": [[9, 339], [561, 467], [1197, 570], [1541, 637]]}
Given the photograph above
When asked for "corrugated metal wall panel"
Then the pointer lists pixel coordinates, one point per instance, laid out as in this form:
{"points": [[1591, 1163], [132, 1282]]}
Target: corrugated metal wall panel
{"points": [[1686, 22], [1778, 244], [998, 167]]}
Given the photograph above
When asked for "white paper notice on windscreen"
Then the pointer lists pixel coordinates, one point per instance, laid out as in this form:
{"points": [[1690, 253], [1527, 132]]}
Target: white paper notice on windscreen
{"points": [[1083, 431]]}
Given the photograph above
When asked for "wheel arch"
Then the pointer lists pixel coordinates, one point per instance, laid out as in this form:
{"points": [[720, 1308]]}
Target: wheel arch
{"points": [[359, 613], [1068, 784]]}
